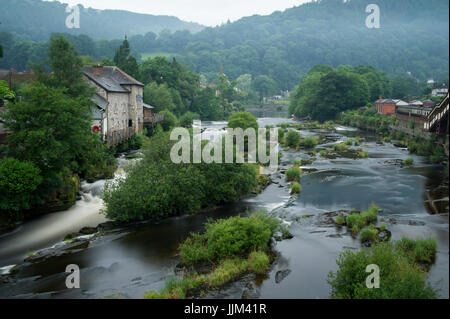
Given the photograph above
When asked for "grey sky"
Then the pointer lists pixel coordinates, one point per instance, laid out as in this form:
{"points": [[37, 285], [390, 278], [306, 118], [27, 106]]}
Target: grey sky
{"points": [[207, 12]]}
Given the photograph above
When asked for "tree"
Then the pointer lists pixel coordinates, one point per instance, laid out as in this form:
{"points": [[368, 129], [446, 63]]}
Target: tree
{"points": [[18, 184], [188, 118], [125, 61], [264, 85], [243, 120], [67, 68], [170, 120], [48, 129], [159, 96], [5, 92]]}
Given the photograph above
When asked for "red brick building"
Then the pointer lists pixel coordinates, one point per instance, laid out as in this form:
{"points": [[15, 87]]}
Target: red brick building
{"points": [[385, 106]]}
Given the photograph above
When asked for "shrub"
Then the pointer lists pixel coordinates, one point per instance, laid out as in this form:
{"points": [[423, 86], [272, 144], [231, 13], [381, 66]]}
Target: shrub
{"points": [[420, 250], [292, 138], [230, 237], [383, 227], [258, 262], [353, 219], [349, 142], [296, 188], [363, 154], [340, 147], [297, 163], [281, 133], [408, 161], [340, 220], [309, 142], [237, 235], [170, 120], [188, 118], [156, 188], [293, 174], [18, 184], [401, 279], [368, 235]]}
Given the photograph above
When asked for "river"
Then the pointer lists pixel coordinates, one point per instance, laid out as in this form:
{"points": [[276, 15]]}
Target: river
{"points": [[129, 262]]}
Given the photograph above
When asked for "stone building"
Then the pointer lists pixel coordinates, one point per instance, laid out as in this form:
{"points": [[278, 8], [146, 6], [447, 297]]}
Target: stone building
{"points": [[119, 111]]}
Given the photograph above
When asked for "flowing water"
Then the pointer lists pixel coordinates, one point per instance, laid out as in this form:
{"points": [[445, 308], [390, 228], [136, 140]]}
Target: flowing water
{"points": [[127, 263]]}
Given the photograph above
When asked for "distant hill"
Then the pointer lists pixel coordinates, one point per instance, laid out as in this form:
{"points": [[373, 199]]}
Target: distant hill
{"points": [[413, 37], [36, 20]]}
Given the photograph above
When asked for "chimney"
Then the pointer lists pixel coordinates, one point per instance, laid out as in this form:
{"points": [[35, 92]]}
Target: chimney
{"points": [[97, 70]]}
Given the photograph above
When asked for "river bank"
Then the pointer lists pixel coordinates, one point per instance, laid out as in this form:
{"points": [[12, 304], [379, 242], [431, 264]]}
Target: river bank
{"points": [[125, 263]]}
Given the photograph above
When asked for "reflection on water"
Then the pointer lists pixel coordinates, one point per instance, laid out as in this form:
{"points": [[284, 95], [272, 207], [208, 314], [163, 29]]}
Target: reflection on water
{"points": [[141, 258]]}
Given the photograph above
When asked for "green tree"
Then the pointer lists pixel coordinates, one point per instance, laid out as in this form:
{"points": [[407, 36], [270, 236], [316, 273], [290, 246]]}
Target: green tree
{"points": [[242, 120], [67, 68], [264, 85], [125, 61], [48, 129], [5, 92], [170, 120], [159, 96], [18, 184]]}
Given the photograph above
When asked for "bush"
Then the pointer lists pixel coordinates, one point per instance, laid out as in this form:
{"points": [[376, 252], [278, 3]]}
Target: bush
{"points": [[408, 161], [419, 251], [309, 142], [368, 235], [258, 262], [400, 279], [296, 188], [18, 184], [188, 118], [156, 188], [292, 138], [170, 120], [340, 220], [230, 237], [293, 174]]}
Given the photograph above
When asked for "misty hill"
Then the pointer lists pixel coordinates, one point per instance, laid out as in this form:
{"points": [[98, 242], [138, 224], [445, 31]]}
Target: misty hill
{"points": [[413, 37], [36, 20]]}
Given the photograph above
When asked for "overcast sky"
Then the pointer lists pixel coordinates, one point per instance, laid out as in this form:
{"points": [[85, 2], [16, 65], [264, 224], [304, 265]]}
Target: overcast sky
{"points": [[207, 12]]}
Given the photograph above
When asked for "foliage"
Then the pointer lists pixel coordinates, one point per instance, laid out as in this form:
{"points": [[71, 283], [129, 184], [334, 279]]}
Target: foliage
{"points": [[18, 184], [368, 235], [125, 61], [400, 278], [243, 120], [293, 174], [419, 251], [234, 236], [409, 161], [296, 188], [170, 120], [188, 118], [258, 262], [292, 138], [309, 142], [5, 92], [156, 188]]}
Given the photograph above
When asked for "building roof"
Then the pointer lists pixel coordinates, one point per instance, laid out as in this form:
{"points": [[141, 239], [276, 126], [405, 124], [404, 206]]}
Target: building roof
{"points": [[146, 106], [99, 101], [110, 78], [385, 101]]}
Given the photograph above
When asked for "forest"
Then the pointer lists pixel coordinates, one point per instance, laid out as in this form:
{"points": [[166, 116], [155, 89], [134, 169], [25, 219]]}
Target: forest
{"points": [[412, 41]]}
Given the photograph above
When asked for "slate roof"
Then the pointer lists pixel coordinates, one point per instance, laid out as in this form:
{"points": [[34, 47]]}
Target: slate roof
{"points": [[100, 101], [148, 106], [110, 78]]}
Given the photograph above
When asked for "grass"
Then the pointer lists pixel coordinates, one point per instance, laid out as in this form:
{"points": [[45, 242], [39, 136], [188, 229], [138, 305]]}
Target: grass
{"points": [[293, 174], [340, 220], [340, 147], [297, 163], [309, 142], [349, 142], [292, 139], [368, 235], [258, 262], [408, 161], [383, 227], [355, 222], [227, 270], [296, 188], [420, 251]]}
